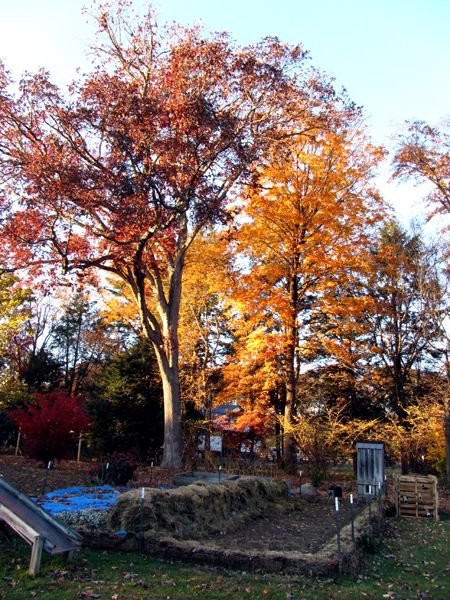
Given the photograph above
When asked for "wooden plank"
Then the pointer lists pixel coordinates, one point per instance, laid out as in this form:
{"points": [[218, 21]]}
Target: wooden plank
{"points": [[425, 478], [436, 504], [36, 555], [417, 493], [429, 506], [416, 486], [426, 499], [18, 525]]}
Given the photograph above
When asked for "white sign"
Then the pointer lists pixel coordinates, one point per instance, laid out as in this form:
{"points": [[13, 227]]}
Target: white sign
{"points": [[215, 443]]}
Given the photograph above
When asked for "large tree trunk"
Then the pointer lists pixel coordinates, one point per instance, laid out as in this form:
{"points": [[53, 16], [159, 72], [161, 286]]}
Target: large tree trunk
{"points": [[447, 451], [288, 438], [166, 351], [164, 338], [447, 417], [163, 334], [291, 393], [173, 450], [399, 408]]}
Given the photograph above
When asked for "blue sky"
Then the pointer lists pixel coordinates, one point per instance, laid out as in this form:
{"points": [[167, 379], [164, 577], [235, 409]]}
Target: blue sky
{"points": [[392, 56]]}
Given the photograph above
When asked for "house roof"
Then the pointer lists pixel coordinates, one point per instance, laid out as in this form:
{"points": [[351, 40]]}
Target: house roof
{"points": [[224, 409]]}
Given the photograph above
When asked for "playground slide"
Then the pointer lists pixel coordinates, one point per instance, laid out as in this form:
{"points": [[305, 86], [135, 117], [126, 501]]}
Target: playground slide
{"points": [[33, 523]]}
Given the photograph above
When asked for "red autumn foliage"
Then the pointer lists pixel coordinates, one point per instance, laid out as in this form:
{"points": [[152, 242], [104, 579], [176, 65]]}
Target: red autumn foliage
{"points": [[50, 426], [147, 150]]}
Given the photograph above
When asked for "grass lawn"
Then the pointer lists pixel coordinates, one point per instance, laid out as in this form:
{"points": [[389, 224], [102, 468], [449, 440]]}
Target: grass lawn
{"points": [[413, 561]]}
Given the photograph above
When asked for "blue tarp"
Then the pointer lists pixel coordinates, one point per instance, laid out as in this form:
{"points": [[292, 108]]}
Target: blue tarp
{"points": [[80, 498]]}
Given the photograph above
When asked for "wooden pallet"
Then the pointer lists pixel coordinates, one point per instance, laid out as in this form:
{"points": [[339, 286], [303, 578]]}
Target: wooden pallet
{"points": [[416, 496]]}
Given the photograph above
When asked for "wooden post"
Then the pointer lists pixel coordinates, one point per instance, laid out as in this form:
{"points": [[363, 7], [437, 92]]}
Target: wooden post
{"points": [[80, 439], [141, 521], [338, 532], [18, 443], [36, 555], [352, 518]]}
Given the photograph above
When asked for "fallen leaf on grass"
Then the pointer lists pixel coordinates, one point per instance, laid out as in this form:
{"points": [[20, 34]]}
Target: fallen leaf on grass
{"points": [[88, 593]]}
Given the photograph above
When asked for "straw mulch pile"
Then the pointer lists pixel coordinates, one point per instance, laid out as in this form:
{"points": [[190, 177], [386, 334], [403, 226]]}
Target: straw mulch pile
{"points": [[197, 510]]}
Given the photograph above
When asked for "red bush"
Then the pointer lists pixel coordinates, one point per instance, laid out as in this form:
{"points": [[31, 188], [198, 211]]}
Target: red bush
{"points": [[49, 427]]}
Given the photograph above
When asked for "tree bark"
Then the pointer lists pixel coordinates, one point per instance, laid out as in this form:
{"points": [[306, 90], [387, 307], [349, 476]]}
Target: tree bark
{"points": [[291, 380], [173, 450], [163, 335], [447, 451], [447, 416], [288, 438], [165, 344]]}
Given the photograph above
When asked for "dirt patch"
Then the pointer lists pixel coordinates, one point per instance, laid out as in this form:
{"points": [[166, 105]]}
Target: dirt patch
{"points": [[32, 478], [299, 526]]}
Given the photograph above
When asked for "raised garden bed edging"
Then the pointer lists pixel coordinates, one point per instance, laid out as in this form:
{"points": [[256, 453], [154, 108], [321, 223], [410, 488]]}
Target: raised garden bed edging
{"points": [[186, 524], [325, 563]]}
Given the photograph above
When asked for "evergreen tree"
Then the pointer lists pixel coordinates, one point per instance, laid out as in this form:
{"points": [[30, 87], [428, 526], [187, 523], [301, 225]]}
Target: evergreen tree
{"points": [[126, 404]]}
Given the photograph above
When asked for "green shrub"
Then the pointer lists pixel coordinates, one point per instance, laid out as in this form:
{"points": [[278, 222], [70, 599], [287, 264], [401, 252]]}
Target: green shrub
{"points": [[317, 474], [8, 430]]}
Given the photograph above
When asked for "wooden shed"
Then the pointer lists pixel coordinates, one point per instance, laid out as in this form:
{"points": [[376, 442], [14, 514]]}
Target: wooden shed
{"points": [[370, 469]]}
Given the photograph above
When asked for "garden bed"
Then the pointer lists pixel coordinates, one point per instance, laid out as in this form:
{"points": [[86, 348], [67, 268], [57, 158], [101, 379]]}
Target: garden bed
{"points": [[290, 534], [296, 543], [250, 524]]}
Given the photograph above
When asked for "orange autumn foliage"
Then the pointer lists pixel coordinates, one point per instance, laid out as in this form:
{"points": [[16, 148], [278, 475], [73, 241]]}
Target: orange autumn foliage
{"points": [[304, 234]]}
